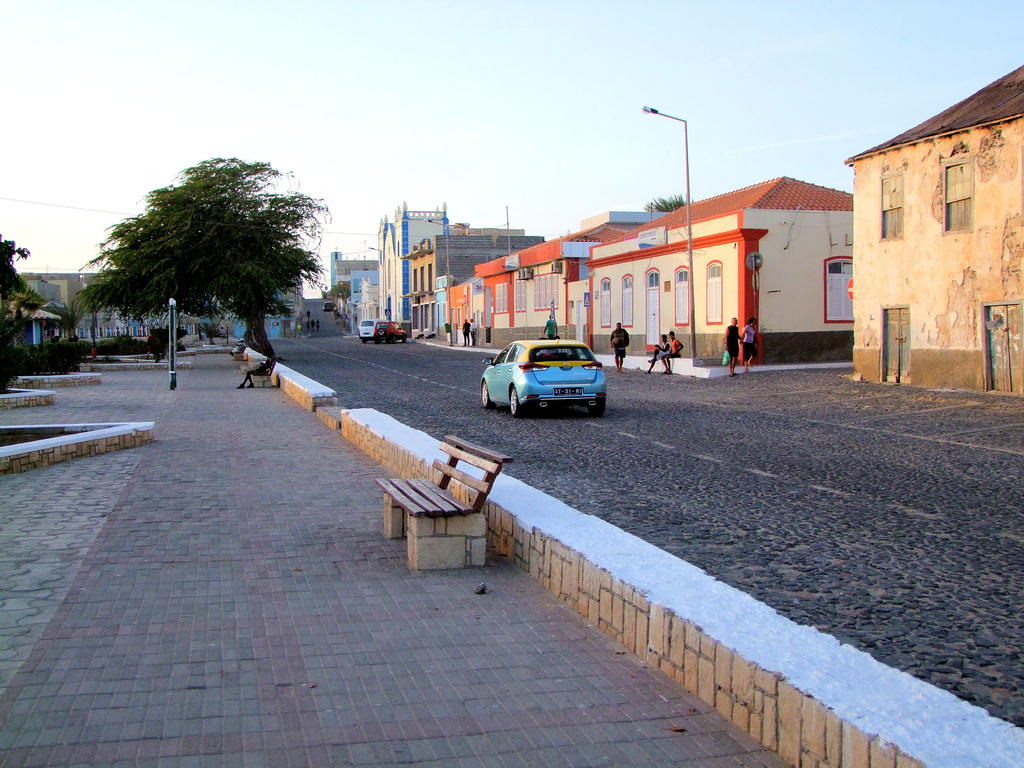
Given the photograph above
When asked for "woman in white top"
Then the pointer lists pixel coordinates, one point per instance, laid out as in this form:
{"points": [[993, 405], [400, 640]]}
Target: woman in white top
{"points": [[749, 344]]}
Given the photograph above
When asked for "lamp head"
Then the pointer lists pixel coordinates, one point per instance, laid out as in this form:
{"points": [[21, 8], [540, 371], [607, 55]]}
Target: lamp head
{"points": [[650, 111]]}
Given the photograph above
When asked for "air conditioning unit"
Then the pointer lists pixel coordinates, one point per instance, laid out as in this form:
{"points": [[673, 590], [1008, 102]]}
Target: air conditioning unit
{"points": [[557, 266], [526, 273]]}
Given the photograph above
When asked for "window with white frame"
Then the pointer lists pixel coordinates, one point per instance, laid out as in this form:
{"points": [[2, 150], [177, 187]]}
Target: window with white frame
{"points": [[520, 295], [501, 298], [627, 300], [714, 293], [959, 196], [682, 297], [545, 291], [606, 302], [892, 207], [838, 304]]}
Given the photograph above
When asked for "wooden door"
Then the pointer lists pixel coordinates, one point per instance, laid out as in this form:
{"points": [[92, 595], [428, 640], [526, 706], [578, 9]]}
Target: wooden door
{"points": [[1003, 339], [896, 345]]}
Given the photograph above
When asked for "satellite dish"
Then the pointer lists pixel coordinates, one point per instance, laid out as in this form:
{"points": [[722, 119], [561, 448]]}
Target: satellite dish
{"points": [[754, 260]]}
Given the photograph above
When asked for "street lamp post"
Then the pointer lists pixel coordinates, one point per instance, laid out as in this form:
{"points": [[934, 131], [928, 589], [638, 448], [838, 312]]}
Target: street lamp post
{"points": [[689, 227]]}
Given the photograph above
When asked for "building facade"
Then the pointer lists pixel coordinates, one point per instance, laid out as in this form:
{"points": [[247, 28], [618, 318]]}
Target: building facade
{"points": [[939, 246], [780, 251]]}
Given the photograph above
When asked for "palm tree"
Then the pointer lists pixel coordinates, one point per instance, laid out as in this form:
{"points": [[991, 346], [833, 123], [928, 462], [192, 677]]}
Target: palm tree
{"points": [[211, 327], [665, 204], [70, 317]]}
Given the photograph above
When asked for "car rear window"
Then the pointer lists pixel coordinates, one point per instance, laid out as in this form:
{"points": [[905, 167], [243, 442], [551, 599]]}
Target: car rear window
{"points": [[560, 354]]}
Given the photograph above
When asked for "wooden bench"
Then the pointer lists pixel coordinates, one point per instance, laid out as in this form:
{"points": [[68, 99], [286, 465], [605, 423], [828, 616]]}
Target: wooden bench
{"points": [[442, 530], [259, 376]]}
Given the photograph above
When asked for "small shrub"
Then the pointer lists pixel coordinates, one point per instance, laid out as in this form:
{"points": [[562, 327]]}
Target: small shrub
{"points": [[12, 362]]}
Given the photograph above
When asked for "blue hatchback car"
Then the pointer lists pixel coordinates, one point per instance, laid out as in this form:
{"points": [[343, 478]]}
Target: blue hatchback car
{"points": [[527, 375]]}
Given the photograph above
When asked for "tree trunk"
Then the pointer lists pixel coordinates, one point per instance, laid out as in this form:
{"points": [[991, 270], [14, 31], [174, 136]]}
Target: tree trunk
{"points": [[256, 335]]}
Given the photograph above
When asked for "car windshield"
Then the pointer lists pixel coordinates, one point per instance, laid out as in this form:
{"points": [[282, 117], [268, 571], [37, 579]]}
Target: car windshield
{"points": [[560, 354]]}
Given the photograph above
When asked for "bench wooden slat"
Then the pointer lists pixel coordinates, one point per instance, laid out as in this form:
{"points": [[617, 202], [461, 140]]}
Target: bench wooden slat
{"points": [[465, 445], [399, 492], [442, 500], [482, 486], [487, 465]]}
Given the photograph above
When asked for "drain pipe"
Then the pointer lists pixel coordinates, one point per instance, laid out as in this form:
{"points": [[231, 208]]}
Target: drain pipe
{"points": [[172, 341]]}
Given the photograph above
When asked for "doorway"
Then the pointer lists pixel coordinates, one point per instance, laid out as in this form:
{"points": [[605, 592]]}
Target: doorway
{"points": [[653, 308], [896, 345], [1003, 345]]}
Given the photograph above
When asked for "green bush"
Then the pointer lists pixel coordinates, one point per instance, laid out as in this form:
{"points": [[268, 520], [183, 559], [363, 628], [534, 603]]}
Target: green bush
{"points": [[121, 345], [53, 359], [12, 361]]}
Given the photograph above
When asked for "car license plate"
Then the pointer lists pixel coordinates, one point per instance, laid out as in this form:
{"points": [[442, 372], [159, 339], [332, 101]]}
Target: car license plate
{"points": [[568, 390]]}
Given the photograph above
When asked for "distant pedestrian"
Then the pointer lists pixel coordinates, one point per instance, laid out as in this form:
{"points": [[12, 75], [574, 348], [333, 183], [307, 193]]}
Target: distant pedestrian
{"points": [[465, 333], [318, 325], [551, 328], [732, 344], [472, 332], [619, 341], [749, 342], [661, 352]]}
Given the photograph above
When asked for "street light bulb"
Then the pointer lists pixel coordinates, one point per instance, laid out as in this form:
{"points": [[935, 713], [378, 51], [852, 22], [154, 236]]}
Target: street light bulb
{"points": [[650, 111]]}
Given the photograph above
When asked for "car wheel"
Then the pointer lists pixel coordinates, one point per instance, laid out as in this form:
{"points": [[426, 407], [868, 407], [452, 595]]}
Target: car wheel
{"points": [[364, 340], [485, 396], [597, 410], [517, 408], [403, 339]]}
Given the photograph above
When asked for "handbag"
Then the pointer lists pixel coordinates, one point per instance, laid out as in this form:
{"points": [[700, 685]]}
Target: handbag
{"points": [[725, 357]]}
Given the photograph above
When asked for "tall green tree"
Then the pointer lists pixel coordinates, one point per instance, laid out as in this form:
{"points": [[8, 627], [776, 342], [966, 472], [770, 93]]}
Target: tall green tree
{"points": [[9, 251], [224, 239], [665, 204]]}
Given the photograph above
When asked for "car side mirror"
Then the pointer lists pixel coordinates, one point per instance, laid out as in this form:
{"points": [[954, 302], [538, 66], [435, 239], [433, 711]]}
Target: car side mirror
{"points": [[488, 361]]}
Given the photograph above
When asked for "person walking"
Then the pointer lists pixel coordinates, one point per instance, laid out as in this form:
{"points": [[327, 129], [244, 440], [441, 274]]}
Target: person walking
{"points": [[472, 332], [732, 344], [661, 352], [465, 333], [551, 328], [619, 341], [749, 342]]}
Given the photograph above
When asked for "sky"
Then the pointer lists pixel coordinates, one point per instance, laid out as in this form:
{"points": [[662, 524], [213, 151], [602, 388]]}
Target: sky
{"points": [[529, 107]]}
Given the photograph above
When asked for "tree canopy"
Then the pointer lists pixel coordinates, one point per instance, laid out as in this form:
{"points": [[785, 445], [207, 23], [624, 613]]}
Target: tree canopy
{"points": [[8, 274], [221, 240], [665, 204]]}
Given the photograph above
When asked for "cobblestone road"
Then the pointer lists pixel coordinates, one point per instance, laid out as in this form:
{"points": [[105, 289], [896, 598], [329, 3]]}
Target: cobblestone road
{"points": [[890, 517]]}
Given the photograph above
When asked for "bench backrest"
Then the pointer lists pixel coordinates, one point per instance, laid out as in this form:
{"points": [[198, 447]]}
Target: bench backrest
{"points": [[489, 461]]}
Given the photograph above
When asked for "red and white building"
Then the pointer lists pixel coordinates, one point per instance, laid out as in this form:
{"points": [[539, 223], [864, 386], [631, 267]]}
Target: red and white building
{"points": [[801, 292]]}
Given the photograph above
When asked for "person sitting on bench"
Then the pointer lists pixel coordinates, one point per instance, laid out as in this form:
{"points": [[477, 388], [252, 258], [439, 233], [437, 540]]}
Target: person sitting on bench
{"points": [[263, 369]]}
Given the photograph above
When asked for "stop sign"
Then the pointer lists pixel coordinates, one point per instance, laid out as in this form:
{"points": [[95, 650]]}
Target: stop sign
{"points": [[849, 288]]}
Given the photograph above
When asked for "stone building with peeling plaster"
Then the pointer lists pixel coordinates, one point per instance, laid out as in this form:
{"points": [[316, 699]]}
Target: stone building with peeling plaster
{"points": [[938, 244]]}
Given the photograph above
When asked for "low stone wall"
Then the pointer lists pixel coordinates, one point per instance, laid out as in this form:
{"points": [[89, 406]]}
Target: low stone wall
{"points": [[54, 382], [803, 729], [26, 398], [306, 392], [82, 446]]}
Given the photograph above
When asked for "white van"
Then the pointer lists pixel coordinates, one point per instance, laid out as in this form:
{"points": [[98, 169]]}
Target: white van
{"points": [[366, 330]]}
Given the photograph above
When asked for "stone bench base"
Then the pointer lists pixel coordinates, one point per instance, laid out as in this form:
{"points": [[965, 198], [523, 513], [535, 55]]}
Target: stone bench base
{"points": [[263, 382], [435, 543]]}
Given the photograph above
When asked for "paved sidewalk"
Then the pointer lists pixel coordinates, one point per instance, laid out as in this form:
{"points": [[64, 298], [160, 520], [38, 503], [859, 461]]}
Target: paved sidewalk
{"points": [[224, 597]]}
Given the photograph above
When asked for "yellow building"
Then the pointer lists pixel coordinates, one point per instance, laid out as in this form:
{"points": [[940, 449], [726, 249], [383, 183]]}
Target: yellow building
{"points": [[939, 242]]}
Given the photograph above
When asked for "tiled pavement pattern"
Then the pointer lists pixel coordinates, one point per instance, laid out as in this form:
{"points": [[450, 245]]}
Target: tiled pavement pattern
{"points": [[238, 605]]}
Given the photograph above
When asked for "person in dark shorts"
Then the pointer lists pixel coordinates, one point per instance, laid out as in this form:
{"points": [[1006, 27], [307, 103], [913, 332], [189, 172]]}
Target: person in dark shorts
{"points": [[619, 341], [732, 344], [749, 342]]}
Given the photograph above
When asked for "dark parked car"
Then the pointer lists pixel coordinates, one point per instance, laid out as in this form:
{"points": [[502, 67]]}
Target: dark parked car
{"points": [[388, 332]]}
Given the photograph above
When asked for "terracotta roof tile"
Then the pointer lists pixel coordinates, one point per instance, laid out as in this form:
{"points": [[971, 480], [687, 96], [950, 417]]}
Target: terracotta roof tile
{"points": [[782, 193], [997, 102]]}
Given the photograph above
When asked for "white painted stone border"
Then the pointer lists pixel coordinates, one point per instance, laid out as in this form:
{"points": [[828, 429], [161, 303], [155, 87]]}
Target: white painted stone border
{"points": [[83, 433], [864, 713]]}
